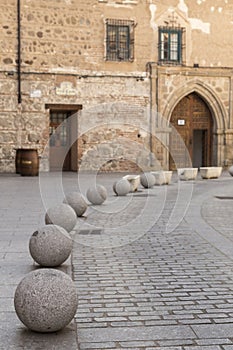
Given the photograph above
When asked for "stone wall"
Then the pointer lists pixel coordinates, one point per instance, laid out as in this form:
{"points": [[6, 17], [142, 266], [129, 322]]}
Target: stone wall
{"points": [[63, 61], [70, 37]]}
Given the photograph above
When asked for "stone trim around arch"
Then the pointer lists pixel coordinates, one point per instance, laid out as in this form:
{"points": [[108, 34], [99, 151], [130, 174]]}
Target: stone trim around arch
{"points": [[215, 105]]}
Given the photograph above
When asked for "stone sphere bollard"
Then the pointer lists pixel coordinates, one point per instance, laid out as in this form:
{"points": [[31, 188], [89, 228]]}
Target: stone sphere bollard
{"points": [[231, 170], [121, 187], [62, 215], [147, 180], [46, 300], [50, 245], [77, 202], [97, 194]]}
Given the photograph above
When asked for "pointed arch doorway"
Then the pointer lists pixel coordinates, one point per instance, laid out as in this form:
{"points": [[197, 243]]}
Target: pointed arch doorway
{"points": [[193, 121]]}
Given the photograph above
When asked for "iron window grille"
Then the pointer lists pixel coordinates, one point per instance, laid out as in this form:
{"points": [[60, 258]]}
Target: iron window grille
{"points": [[171, 45], [119, 40]]}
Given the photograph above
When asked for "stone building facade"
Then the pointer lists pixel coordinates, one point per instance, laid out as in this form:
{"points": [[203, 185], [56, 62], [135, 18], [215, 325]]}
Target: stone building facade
{"points": [[133, 84]]}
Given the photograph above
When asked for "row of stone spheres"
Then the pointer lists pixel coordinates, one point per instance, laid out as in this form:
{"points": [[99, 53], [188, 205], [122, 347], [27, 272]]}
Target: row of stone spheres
{"points": [[46, 299]]}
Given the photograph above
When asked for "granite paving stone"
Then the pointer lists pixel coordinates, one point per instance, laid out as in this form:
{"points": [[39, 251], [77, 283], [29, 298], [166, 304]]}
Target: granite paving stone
{"points": [[136, 333]]}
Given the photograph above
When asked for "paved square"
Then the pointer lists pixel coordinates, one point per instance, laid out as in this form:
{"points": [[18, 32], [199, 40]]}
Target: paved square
{"points": [[141, 286]]}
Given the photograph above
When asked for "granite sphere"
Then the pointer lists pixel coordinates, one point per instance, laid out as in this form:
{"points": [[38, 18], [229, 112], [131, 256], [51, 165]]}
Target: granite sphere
{"points": [[50, 245], [147, 180], [97, 194], [46, 300], [77, 202], [62, 215], [121, 187], [231, 170]]}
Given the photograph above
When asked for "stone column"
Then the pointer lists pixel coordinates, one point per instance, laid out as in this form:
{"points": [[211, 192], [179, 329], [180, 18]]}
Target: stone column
{"points": [[219, 147], [162, 135], [228, 147], [230, 122]]}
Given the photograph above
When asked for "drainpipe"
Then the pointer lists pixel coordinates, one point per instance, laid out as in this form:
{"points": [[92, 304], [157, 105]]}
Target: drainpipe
{"points": [[149, 71], [19, 52]]}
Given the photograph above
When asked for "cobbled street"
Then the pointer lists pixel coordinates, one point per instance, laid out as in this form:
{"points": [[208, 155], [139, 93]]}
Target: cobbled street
{"points": [[153, 270], [165, 290]]}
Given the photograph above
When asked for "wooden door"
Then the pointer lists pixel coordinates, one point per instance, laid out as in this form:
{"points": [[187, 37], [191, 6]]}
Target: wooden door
{"points": [[192, 145], [59, 155]]}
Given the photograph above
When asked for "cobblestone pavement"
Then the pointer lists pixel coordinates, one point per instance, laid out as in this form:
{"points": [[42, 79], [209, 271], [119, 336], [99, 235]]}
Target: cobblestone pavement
{"points": [[148, 276], [168, 290]]}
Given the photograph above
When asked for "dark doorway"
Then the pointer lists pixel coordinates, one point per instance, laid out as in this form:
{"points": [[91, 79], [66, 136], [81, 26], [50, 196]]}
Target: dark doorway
{"points": [[200, 148]]}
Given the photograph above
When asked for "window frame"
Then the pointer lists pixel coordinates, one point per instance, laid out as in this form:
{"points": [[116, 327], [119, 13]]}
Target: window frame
{"points": [[119, 35], [167, 58]]}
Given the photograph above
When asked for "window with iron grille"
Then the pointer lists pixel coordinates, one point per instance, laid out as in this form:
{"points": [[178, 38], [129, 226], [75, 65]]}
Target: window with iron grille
{"points": [[170, 45], [119, 40]]}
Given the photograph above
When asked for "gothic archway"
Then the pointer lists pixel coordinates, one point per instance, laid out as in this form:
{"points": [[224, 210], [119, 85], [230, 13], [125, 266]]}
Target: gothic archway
{"points": [[193, 121]]}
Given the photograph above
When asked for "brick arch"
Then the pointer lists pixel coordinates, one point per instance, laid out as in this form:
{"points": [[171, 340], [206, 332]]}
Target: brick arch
{"points": [[215, 105]]}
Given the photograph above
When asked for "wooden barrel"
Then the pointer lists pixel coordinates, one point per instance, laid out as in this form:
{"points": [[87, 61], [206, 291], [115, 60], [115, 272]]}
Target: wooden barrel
{"points": [[28, 162], [17, 160]]}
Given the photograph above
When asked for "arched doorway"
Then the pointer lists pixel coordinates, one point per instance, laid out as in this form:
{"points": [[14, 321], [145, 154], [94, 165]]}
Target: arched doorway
{"points": [[193, 121]]}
